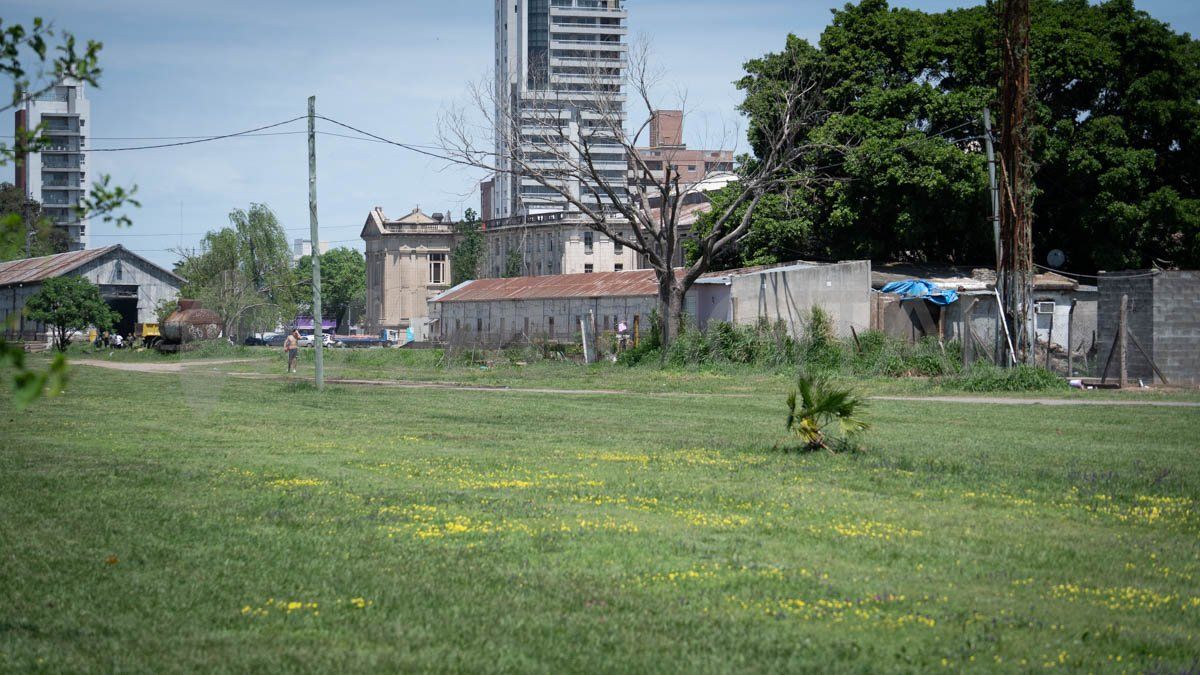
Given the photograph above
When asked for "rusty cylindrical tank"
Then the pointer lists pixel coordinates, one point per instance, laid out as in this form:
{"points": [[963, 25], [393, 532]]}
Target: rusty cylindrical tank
{"points": [[191, 323]]}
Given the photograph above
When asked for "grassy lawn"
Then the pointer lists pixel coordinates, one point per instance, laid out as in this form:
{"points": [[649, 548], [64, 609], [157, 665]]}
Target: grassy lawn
{"points": [[190, 521], [503, 371]]}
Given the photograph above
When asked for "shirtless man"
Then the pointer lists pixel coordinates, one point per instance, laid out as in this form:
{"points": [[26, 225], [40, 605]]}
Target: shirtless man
{"points": [[291, 346]]}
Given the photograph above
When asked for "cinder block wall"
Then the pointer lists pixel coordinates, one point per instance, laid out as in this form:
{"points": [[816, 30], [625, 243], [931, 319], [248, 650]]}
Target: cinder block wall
{"points": [[1176, 311], [1164, 316], [1139, 314]]}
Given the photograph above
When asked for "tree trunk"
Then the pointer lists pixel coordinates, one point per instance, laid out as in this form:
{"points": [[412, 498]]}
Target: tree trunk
{"points": [[670, 309]]}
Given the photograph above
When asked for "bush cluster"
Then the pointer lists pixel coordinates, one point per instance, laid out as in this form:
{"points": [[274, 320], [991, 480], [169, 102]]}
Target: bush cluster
{"points": [[986, 377], [771, 346]]}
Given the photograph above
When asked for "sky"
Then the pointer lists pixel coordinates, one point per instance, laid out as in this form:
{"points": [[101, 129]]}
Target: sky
{"points": [[393, 68]]}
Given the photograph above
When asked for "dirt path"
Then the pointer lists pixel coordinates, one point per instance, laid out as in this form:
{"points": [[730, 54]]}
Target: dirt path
{"points": [[179, 366], [157, 367], [999, 400]]}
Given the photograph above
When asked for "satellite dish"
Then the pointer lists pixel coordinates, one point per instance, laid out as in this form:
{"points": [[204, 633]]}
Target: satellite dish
{"points": [[1056, 258]]}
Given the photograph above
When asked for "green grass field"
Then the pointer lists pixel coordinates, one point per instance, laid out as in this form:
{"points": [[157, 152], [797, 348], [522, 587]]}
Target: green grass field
{"points": [[193, 521]]}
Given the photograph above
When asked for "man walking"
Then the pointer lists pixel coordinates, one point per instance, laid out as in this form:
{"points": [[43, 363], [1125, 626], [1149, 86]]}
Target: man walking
{"points": [[292, 347]]}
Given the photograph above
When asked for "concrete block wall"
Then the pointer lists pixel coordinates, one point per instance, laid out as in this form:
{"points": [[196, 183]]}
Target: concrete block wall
{"points": [[788, 294], [1164, 316], [1176, 312]]}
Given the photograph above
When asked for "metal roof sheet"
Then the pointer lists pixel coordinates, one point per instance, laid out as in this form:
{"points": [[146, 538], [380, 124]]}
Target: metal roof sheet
{"points": [[599, 284], [33, 270], [46, 267]]}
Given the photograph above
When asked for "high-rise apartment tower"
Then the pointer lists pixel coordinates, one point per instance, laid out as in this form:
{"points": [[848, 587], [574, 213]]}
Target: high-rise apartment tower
{"points": [[57, 176], [557, 62]]}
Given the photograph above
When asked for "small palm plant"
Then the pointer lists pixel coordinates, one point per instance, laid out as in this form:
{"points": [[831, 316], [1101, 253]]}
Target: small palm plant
{"points": [[823, 416]]}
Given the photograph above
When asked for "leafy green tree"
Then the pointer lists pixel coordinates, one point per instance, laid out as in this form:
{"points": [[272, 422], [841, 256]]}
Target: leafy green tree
{"points": [[513, 264], [343, 283], [43, 237], [781, 230], [469, 248], [243, 272], [1115, 132], [69, 304]]}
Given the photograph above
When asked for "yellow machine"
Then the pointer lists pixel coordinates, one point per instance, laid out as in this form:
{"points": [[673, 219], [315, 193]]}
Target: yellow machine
{"points": [[148, 333]]}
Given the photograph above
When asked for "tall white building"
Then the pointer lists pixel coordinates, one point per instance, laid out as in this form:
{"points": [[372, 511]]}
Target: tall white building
{"points": [[556, 61], [304, 247], [58, 175]]}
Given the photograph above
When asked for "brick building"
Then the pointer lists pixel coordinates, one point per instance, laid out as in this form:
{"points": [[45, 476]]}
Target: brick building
{"points": [[667, 148]]}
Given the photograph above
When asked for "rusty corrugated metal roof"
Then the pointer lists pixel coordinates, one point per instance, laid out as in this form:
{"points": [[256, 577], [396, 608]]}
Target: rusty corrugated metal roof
{"points": [[33, 270], [39, 269], [599, 284]]}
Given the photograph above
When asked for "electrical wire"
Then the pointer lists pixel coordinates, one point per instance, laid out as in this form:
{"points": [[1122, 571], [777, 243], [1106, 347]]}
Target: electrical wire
{"points": [[1146, 275], [406, 146], [204, 139]]}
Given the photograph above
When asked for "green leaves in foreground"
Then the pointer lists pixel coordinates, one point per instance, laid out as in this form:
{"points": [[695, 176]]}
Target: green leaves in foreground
{"points": [[27, 384], [826, 418]]}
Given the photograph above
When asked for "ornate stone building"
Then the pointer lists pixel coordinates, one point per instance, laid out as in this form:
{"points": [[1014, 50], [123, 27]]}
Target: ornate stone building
{"points": [[408, 263]]}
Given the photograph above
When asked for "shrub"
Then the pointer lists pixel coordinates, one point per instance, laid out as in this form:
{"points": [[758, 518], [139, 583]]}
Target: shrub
{"points": [[983, 377], [823, 416]]}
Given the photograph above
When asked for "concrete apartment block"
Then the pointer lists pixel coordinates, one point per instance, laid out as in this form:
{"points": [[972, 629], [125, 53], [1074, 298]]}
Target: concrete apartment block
{"points": [[58, 176], [1163, 314], [667, 149], [562, 59]]}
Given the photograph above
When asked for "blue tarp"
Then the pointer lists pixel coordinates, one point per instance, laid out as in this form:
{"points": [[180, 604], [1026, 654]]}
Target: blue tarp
{"points": [[919, 288]]}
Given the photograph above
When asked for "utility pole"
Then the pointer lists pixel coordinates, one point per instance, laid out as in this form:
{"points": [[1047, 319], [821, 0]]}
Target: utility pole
{"points": [[995, 189], [1015, 274], [998, 344], [318, 338]]}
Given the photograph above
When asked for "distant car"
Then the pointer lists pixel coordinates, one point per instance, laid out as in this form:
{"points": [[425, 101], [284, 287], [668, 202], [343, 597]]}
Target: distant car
{"points": [[275, 339], [306, 340], [254, 341]]}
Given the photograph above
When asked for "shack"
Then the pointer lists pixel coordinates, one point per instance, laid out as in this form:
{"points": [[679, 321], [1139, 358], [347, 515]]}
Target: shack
{"points": [[131, 285], [1064, 309]]}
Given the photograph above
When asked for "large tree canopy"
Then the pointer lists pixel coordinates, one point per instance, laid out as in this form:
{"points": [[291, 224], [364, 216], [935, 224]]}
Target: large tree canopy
{"points": [[469, 248], [1116, 132], [24, 229], [343, 284], [243, 272], [69, 304]]}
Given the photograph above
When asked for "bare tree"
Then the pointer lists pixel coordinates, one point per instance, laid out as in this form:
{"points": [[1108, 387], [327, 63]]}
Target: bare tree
{"points": [[566, 143]]}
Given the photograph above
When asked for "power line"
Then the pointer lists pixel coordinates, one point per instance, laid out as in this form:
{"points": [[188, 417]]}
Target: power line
{"points": [[406, 146], [198, 234], [204, 139], [1093, 276]]}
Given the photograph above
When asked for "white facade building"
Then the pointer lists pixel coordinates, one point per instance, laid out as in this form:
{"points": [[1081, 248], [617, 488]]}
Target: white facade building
{"points": [[557, 62], [58, 176], [303, 247]]}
